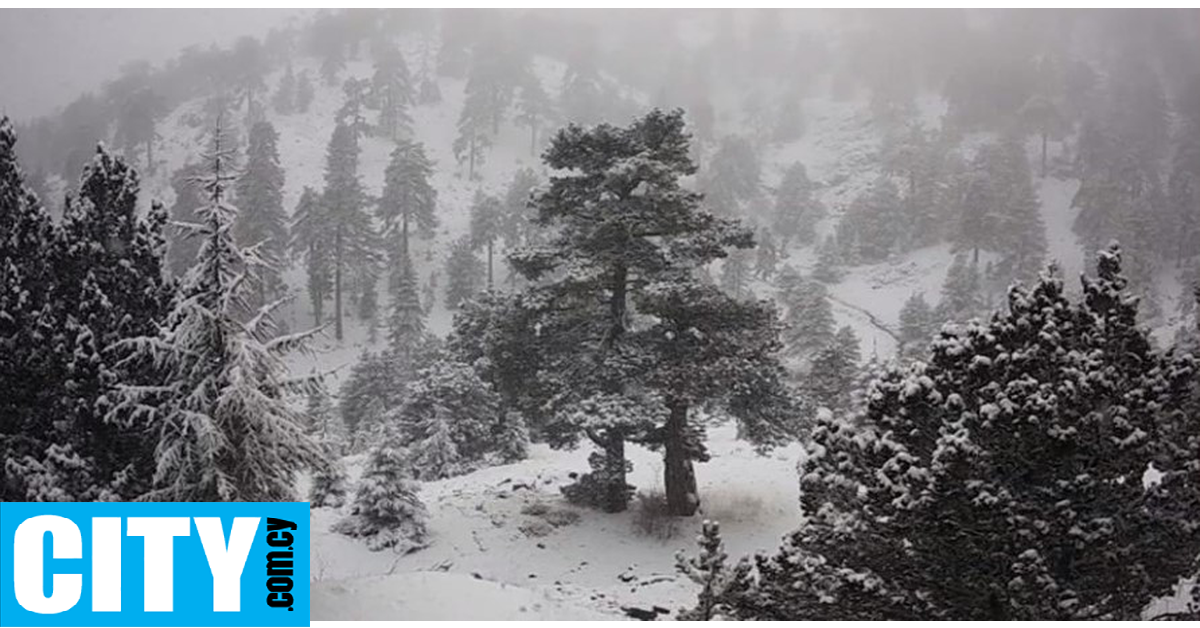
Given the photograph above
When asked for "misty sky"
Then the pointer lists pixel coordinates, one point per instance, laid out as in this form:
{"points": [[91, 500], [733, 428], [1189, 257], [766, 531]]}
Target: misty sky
{"points": [[48, 57]]}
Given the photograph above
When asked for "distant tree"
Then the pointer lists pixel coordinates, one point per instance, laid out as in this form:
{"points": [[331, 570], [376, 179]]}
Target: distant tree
{"points": [[392, 92], [766, 256], [516, 223], [962, 292], [878, 220], [137, 122], [835, 372], [408, 197], [350, 237], [183, 245], [796, 211], [736, 274], [304, 92], [734, 176], [309, 242], [464, 273], [808, 316], [352, 113], [262, 221], [284, 100], [917, 325], [535, 110], [486, 225], [474, 129]]}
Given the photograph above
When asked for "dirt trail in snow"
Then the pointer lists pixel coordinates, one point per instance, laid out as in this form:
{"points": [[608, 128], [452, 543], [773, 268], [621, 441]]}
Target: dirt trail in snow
{"points": [[868, 316]]}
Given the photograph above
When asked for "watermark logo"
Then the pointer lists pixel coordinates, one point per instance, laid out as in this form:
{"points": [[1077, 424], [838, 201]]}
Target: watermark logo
{"points": [[154, 564]]}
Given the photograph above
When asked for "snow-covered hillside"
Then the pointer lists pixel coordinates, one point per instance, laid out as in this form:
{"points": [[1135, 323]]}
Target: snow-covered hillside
{"points": [[505, 545]]}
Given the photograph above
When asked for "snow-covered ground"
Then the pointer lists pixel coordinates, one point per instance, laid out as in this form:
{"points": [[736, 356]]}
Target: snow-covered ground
{"points": [[506, 533]]}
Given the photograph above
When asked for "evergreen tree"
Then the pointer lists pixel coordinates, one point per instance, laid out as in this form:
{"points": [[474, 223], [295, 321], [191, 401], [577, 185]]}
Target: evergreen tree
{"points": [[834, 372], [767, 256], [464, 273], [406, 326], [262, 221], [309, 241], [349, 235], [392, 92], [789, 120], [218, 402], [583, 95], [710, 351], [386, 510], [183, 247], [450, 419], [535, 110], [474, 126], [367, 392], [962, 293], [486, 225], [734, 176], [919, 158], [717, 580], [735, 275], [111, 287], [352, 114], [808, 317], [26, 326], [286, 94], [796, 212], [408, 198], [1020, 234], [829, 261], [137, 123], [952, 498], [917, 325], [623, 224], [305, 92], [878, 220], [516, 223]]}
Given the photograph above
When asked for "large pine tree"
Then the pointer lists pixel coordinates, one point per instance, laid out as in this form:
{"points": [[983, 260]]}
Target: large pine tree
{"points": [[261, 220], [349, 235], [409, 199], [1005, 479], [623, 224], [219, 398]]}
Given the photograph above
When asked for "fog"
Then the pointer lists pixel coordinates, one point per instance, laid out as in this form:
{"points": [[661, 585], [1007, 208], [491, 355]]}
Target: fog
{"points": [[50, 56], [522, 301]]}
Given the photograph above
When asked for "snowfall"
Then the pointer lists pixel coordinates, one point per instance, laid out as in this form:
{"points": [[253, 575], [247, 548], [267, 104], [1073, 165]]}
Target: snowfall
{"points": [[504, 543]]}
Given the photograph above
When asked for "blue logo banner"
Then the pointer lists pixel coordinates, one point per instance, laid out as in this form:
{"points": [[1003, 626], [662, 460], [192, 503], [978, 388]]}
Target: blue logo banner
{"points": [[154, 564]]}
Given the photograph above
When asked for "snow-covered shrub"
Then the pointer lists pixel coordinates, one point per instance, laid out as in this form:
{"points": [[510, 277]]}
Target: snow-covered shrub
{"points": [[386, 510], [328, 486], [717, 580], [652, 517]]}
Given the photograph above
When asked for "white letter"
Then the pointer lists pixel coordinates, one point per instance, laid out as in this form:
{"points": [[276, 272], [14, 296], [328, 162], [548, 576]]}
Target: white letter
{"points": [[106, 564], [160, 533], [226, 564], [65, 542]]}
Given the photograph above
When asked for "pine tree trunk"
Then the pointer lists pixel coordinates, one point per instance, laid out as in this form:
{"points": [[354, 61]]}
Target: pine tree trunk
{"points": [[679, 476], [337, 287], [471, 163], [404, 241], [1044, 154], [490, 264]]}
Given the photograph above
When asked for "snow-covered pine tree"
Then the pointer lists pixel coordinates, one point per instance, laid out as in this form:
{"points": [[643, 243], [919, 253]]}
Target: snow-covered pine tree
{"points": [[918, 157], [962, 291], [392, 92], [406, 325], [305, 92], [182, 249], [408, 199], [512, 439], [285, 97], [623, 224], [487, 215], [808, 317], [465, 273], [261, 219], [766, 255], [366, 394], [796, 211], [917, 326], [834, 372], [736, 274], [718, 581], [879, 221], [218, 403], [386, 510], [535, 110], [734, 176], [584, 92], [308, 242], [1020, 233], [110, 285], [516, 224], [951, 500], [348, 235], [449, 419], [328, 488], [828, 268], [474, 130], [352, 114], [708, 350], [26, 323]]}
